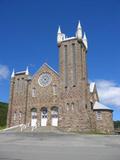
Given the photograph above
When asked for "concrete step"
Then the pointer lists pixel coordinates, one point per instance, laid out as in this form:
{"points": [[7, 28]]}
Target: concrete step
{"points": [[24, 128]]}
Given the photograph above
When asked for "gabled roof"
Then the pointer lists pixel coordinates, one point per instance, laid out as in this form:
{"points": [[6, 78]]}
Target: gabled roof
{"points": [[92, 86], [45, 64], [99, 106]]}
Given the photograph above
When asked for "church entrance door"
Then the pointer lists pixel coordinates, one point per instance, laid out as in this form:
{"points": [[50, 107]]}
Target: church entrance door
{"points": [[33, 117], [54, 115], [44, 116]]}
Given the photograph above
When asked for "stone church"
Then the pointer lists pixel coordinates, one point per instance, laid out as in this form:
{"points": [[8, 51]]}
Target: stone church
{"points": [[64, 99]]}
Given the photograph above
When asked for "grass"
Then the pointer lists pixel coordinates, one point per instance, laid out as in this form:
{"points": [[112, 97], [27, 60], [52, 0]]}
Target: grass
{"points": [[3, 115]]}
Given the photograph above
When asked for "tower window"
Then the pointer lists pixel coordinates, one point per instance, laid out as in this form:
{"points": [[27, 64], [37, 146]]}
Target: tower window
{"points": [[98, 115], [65, 65], [72, 106], [20, 115], [67, 106], [73, 64], [33, 92], [91, 103]]}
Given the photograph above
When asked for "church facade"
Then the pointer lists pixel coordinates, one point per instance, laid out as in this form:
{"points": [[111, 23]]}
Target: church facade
{"points": [[65, 100]]}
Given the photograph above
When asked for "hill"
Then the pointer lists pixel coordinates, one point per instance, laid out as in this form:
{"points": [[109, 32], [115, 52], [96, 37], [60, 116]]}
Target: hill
{"points": [[3, 114]]}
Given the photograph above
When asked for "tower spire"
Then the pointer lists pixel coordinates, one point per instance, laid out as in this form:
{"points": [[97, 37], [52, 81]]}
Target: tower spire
{"points": [[85, 41], [27, 71], [79, 25], [59, 36], [79, 31], [13, 74], [59, 30]]}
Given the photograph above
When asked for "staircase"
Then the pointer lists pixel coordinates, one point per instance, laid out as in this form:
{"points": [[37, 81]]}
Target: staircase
{"points": [[28, 129]]}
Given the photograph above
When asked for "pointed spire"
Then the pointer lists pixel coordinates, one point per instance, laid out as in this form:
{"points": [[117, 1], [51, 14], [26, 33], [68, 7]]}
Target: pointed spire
{"points": [[59, 30], [85, 41], [13, 74], [79, 32], [27, 71], [59, 36], [79, 25], [84, 36]]}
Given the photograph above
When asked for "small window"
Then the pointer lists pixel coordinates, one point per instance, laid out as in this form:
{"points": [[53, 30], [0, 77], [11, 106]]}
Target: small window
{"points": [[72, 106], [33, 92], [98, 115], [54, 90], [91, 103], [15, 116], [67, 106]]}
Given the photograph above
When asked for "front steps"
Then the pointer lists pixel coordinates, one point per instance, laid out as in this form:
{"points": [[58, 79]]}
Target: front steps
{"points": [[29, 129]]}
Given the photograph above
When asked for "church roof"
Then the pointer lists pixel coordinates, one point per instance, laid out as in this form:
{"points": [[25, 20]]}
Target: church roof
{"points": [[99, 106], [45, 64], [92, 86]]}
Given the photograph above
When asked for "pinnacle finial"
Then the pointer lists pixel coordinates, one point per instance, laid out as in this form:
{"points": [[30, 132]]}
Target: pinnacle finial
{"points": [[59, 36], [79, 31], [79, 25], [27, 71], [59, 30], [84, 36], [85, 41], [13, 74]]}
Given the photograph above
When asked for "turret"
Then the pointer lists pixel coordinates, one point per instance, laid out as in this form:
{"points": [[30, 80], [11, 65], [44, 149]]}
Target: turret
{"points": [[85, 41], [60, 37], [79, 32]]}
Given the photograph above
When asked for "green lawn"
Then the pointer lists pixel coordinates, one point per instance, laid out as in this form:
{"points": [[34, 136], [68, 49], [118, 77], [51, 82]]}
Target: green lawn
{"points": [[3, 115]]}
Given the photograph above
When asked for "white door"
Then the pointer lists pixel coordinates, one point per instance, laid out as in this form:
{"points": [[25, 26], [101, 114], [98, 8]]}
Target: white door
{"points": [[33, 122], [33, 119], [44, 117], [54, 120]]}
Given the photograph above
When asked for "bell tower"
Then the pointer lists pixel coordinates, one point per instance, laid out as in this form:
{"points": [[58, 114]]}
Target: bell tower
{"points": [[73, 79], [72, 54]]}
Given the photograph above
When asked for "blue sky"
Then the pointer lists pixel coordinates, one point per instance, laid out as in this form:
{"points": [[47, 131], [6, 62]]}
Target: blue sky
{"points": [[28, 38]]}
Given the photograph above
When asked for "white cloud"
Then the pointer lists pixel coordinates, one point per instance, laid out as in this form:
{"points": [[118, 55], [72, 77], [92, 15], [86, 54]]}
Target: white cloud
{"points": [[109, 92], [4, 72]]}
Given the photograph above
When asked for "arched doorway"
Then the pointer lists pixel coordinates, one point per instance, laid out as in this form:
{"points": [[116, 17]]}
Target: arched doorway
{"points": [[33, 117], [54, 116], [44, 116]]}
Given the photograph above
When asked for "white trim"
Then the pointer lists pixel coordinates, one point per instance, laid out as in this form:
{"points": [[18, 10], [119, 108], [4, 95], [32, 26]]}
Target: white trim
{"points": [[92, 86], [50, 68], [6, 129], [20, 72], [67, 39], [99, 106]]}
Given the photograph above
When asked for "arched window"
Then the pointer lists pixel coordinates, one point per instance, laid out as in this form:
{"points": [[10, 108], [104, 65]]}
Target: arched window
{"points": [[34, 113], [67, 106], [34, 92], [72, 106], [33, 117], [54, 116], [44, 112], [54, 112]]}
